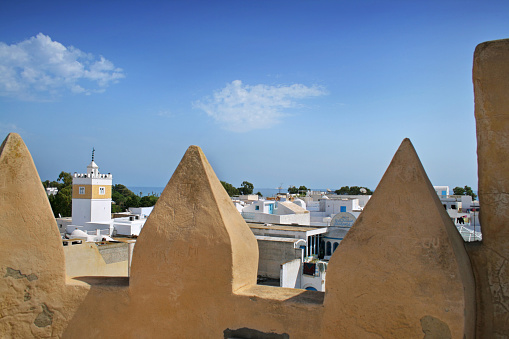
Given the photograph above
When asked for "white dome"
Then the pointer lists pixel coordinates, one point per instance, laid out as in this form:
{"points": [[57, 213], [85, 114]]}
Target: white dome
{"points": [[300, 203], [79, 234]]}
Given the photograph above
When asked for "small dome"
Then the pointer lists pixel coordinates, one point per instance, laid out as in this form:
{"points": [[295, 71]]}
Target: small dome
{"points": [[300, 203], [78, 234]]}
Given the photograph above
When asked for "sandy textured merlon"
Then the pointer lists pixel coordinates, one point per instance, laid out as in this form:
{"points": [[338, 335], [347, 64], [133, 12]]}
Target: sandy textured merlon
{"points": [[402, 261]]}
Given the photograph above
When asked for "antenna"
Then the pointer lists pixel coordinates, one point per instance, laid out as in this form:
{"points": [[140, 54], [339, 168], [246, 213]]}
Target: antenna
{"points": [[93, 150]]}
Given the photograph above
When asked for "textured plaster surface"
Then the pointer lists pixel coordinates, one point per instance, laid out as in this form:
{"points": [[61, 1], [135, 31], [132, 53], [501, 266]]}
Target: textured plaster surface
{"points": [[402, 269], [490, 261], [87, 259], [34, 301]]}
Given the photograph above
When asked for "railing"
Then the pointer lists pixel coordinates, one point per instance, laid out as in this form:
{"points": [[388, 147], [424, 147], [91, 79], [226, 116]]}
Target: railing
{"points": [[469, 235]]}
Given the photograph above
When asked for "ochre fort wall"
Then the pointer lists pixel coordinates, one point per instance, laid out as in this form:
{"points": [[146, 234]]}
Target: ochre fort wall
{"points": [[490, 259], [194, 266]]}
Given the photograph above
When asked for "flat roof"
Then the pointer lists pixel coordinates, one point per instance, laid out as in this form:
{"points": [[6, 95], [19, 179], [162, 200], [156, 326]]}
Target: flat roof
{"points": [[279, 227], [280, 239]]}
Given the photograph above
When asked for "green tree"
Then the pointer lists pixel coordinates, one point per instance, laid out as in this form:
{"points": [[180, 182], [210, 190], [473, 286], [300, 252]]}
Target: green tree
{"points": [[467, 190], [148, 200], [246, 188], [133, 201], [120, 194], [353, 190], [293, 190], [458, 191], [61, 203], [66, 178], [121, 189], [259, 194], [48, 183], [230, 189], [119, 200]]}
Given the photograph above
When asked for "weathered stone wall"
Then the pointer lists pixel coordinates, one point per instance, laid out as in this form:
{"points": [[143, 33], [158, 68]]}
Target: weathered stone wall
{"points": [[490, 260], [273, 254], [87, 259], [34, 300]]}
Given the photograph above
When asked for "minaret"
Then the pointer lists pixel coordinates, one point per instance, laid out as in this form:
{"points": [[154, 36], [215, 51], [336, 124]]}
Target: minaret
{"points": [[91, 195]]}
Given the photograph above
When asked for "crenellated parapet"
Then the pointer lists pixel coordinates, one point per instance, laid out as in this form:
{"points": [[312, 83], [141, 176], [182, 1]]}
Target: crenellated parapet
{"points": [[194, 266], [93, 176]]}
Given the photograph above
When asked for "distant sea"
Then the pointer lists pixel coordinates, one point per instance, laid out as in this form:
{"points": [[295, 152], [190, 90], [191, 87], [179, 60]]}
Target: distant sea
{"points": [[266, 192]]}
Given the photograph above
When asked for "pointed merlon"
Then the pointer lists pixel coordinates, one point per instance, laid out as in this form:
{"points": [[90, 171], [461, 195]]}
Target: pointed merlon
{"points": [[29, 238], [194, 230], [403, 265]]}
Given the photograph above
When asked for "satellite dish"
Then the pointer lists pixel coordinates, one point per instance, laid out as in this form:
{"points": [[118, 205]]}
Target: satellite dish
{"points": [[363, 190]]}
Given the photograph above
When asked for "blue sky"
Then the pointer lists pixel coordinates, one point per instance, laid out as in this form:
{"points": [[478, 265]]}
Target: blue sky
{"points": [[315, 93]]}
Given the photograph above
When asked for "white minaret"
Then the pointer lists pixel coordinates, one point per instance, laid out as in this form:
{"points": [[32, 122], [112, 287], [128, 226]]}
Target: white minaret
{"points": [[91, 195]]}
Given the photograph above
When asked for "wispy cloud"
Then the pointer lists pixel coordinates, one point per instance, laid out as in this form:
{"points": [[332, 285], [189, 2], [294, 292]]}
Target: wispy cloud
{"points": [[6, 128], [165, 114], [241, 108], [41, 69]]}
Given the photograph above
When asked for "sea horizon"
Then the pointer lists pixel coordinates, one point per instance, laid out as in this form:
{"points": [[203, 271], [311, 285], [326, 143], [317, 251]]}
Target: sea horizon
{"points": [[157, 190]]}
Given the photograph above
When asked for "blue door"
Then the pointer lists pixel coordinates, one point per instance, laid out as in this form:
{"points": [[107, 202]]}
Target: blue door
{"points": [[271, 208]]}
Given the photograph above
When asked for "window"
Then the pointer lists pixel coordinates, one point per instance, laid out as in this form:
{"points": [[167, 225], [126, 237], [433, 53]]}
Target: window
{"points": [[102, 191], [342, 209], [82, 190], [257, 208], [329, 249], [336, 244]]}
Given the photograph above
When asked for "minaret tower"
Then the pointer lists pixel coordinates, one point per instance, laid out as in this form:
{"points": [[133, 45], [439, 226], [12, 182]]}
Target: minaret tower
{"points": [[91, 195]]}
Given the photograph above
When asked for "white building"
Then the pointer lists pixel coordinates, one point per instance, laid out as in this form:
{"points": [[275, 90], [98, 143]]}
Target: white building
{"points": [[442, 190], [337, 230], [323, 210], [91, 201], [276, 212], [51, 190], [464, 213], [91, 207], [285, 252]]}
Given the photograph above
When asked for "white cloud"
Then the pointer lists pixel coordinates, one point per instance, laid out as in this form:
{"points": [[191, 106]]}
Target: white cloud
{"points": [[241, 108], [165, 114], [6, 128], [40, 69]]}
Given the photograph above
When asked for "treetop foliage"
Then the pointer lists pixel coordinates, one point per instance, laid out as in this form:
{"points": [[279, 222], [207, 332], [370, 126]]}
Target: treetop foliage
{"points": [[295, 190], [353, 190], [244, 189], [467, 190]]}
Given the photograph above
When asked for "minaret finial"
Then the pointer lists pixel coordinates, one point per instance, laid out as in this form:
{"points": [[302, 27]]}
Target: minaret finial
{"points": [[93, 150]]}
